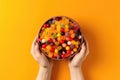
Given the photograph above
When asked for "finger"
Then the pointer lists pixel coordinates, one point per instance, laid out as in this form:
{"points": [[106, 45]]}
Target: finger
{"points": [[86, 45], [37, 50], [33, 44]]}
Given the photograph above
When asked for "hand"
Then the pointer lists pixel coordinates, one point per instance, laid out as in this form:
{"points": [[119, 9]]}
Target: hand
{"points": [[77, 60], [39, 56]]}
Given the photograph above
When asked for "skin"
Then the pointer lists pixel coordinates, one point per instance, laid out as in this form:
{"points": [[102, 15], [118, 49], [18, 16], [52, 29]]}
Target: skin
{"points": [[46, 64]]}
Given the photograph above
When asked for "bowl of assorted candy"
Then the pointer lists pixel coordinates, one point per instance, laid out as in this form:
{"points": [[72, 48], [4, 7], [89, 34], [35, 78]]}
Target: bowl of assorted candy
{"points": [[60, 38]]}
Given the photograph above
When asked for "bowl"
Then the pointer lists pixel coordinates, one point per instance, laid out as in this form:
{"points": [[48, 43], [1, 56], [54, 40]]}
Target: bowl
{"points": [[60, 38]]}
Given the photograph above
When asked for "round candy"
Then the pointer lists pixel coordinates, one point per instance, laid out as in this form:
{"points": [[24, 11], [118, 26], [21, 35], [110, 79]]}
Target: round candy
{"points": [[67, 48]]}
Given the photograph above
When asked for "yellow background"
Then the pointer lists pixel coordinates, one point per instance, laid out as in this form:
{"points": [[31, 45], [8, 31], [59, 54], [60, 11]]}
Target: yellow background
{"points": [[20, 21]]}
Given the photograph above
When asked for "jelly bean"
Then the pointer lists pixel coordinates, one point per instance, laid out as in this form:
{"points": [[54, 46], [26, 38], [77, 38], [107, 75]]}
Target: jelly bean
{"points": [[50, 40], [55, 54], [72, 35], [68, 51], [68, 42], [63, 52], [52, 44], [61, 41], [40, 39], [52, 49], [54, 35], [58, 38], [56, 43], [67, 34], [62, 29], [43, 40], [72, 46], [67, 48], [62, 33], [70, 38], [45, 25], [63, 25], [66, 26], [48, 47], [75, 50], [73, 42], [56, 51], [66, 29], [64, 45], [58, 35], [79, 37], [50, 55], [63, 55], [44, 46], [59, 47], [63, 37], [71, 31], [58, 18]]}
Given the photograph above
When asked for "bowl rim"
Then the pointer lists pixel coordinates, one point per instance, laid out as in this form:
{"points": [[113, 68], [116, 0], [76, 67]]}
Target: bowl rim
{"points": [[70, 56]]}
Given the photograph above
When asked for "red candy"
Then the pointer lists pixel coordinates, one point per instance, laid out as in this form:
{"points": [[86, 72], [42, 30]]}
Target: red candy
{"points": [[63, 56], [44, 46], [45, 25], [68, 51], [62, 29], [61, 41], [50, 40], [52, 50], [40, 39]]}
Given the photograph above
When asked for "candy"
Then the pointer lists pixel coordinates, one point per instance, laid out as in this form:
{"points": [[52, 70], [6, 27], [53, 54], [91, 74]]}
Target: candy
{"points": [[68, 51], [62, 33], [61, 41], [71, 31], [63, 55], [67, 48], [45, 25], [72, 35], [64, 45], [56, 51], [52, 50], [43, 40], [50, 40], [48, 47], [55, 54], [62, 29], [44, 46], [68, 42], [58, 35], [74, 49]]}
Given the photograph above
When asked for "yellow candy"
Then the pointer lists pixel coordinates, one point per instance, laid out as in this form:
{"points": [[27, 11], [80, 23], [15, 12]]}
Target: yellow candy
{"points": [[58, 35], [58, 28], [59, 47], [66, 29], [73, 42], [56, 51], [48, 47], [67, 48], [74, 49], [50, 55], [66, 26], [58, 38], [71, 31], [55, 54], [72, 35]]}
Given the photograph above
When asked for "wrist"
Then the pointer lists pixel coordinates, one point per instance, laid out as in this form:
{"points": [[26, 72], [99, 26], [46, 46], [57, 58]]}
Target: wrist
{"points": [[46, 68]]}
